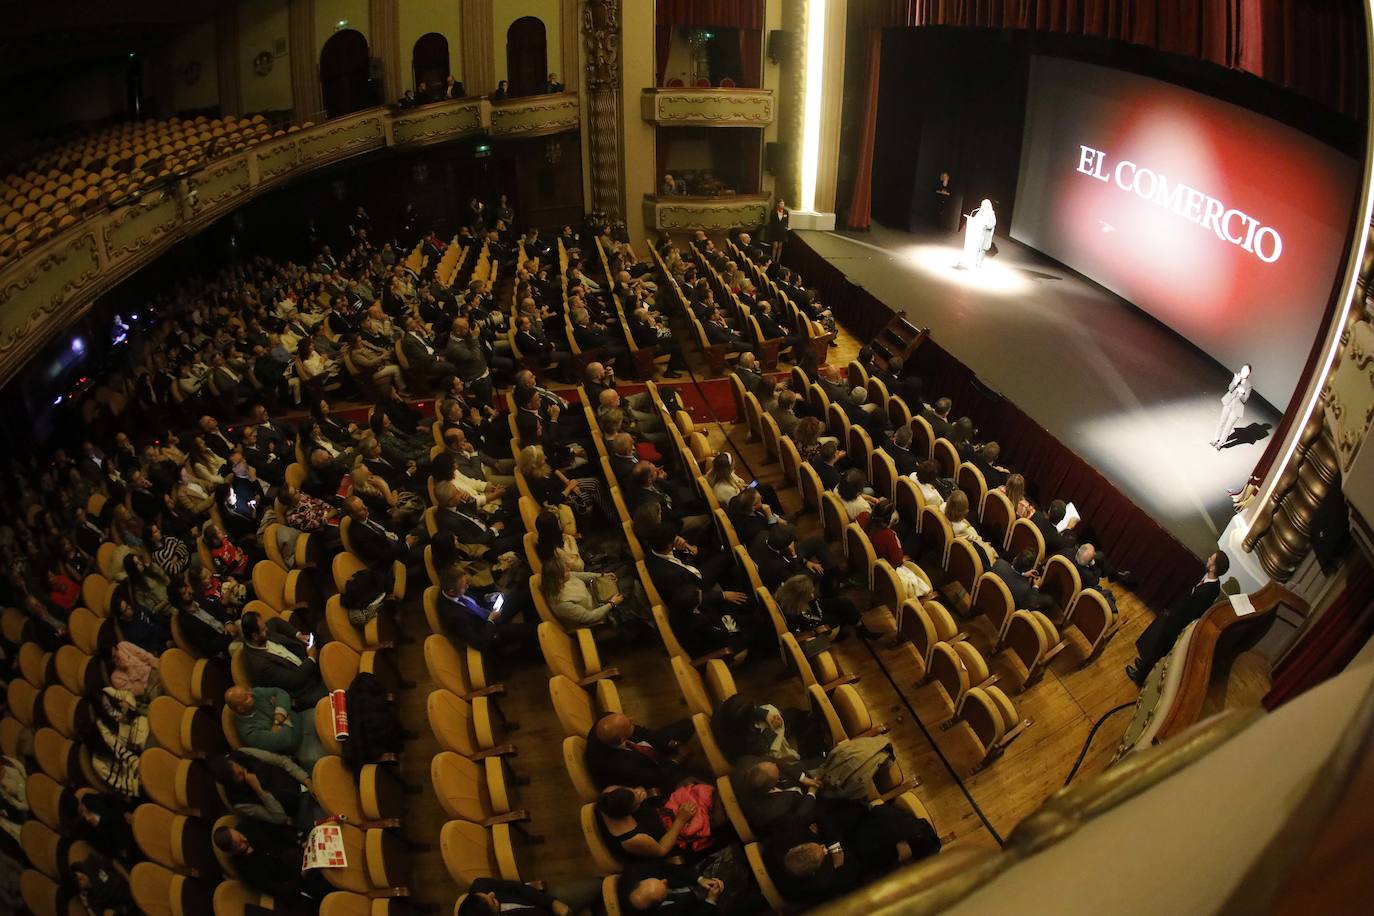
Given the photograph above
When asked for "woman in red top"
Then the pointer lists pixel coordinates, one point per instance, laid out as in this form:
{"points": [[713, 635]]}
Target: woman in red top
{"points": [[877, 524], [63, 590], [229, 560]]}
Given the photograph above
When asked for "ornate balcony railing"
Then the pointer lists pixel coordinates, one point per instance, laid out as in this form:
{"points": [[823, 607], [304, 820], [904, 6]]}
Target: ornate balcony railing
{"points": [[53, 284], [708, 107], [714, 214]]}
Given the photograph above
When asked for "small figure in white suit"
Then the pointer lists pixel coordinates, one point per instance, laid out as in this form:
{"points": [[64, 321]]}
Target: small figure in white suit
{"points": [[1233, 406], [978, 235]]}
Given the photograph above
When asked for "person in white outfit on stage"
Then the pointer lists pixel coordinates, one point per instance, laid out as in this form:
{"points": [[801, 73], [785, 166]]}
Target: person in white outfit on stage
{"points": [[978, 235], [1233, 406]]}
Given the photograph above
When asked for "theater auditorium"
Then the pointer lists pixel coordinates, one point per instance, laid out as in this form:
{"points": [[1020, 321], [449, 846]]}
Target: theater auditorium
{"points": [[686, 457]]}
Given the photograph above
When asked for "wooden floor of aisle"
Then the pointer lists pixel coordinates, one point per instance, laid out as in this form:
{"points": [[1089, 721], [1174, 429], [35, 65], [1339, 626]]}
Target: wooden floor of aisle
{"points": [[1063, 706]]}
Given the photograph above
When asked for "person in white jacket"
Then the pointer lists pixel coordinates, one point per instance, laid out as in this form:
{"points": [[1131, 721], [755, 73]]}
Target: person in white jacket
{"points": [[1232, 406]]}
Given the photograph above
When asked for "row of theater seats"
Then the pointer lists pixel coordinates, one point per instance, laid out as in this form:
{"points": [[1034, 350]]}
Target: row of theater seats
{"points": [[945, 655], [55, 190], [582, 689]]}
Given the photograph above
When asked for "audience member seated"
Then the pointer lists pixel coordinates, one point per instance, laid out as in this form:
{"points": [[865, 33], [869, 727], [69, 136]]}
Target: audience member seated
{"points": [[277, 655], [621, 753], [264, 719], [267, 858], [264, 786], [1019, 576]]}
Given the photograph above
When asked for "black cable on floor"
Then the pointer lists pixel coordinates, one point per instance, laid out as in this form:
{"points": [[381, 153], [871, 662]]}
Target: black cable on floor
{"points": [[1092, 734], [949, 767]]}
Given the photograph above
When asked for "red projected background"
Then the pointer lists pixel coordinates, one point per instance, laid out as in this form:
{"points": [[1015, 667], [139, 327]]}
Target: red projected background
{"points": [[1223, 224]]}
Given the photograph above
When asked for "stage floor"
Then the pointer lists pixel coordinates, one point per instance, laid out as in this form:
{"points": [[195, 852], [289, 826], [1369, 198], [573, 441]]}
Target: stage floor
{"points": [[1135, 400]]}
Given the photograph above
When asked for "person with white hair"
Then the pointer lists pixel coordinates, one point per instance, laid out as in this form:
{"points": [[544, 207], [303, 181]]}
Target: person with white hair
{"points": [[1232, 406], [978, 235]]}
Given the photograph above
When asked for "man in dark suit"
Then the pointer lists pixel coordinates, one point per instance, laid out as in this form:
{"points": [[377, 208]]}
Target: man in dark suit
{"points": [[453, 89], [937, 415], [1017, 576], [718, 332], [377, 545], [461, 517], [826, 465], [621, 753], [593, 337], [668, 890], [1092, 568], [1056, 542], [647, 333], [267, 460], [899, 450], [472, 622], [420, 353], [495, 897], [267, 858], [748, 371], [671, 573], [985, 460], [277, 656], [1164, 630]]}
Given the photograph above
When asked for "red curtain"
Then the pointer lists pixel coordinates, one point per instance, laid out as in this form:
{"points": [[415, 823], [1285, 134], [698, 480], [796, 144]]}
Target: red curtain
{"points": [[1164, 567], [1326, 648], [736, 14], [860, 215], [663, 38], [1315, 47]]}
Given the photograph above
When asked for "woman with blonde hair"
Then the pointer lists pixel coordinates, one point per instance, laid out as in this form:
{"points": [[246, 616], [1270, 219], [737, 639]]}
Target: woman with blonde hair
{"points": [[551, 487], [805, 611], [570, 595], [373, 490], [726, 484], [956, 510]]}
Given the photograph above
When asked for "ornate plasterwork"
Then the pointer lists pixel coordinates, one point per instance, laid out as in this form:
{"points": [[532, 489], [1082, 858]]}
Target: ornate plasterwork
{"points": [[336, 140], [708, 107], [547, 115], [140, 224], [712, 214], [277, 158], [45, 284], [1348, 395], [220, 183], [443, 123], [605, 125]]}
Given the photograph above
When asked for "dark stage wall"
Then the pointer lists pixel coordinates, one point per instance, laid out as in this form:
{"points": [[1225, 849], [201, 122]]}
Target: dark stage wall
{"points": [[950, 100]]}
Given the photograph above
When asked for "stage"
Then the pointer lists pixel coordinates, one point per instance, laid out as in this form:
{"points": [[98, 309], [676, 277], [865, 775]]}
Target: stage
{"points": [[1136, 401]]}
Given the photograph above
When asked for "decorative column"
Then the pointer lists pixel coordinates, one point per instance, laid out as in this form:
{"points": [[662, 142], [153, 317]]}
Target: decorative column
{"points": [[792, 104], [227, 61], [384, 19], [570, 32], [306, 96], [479, 64], [601, 28]]}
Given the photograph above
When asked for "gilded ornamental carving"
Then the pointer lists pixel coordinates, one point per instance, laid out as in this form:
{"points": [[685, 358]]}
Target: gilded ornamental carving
{"points": [[710, 213], [708, 107]]}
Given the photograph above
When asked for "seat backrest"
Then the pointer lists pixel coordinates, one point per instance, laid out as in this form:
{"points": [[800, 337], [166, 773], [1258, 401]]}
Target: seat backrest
{"points": [[810, 485], [834, 518], [1026, 639], [909, 500], [450, 719], [691, 685], [1025, 536], [824, 711], [1061, 583], [922, 437], [460, 786], [468, 852], [859, 549], [603, 856], [993, 599], [776, 901], [965, 563], [883, 475], [706, 738], [850, 707], [560, 652], [984, 718], [946, 456], [575, 761], [936, 534], [947, 668], [1092, 616], [975, 487], [997, 517], [790, 458], [572, 705], [915, 626]]}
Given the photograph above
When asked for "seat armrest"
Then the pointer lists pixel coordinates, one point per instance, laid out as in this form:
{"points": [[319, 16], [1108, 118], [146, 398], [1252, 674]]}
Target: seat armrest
{"points": [[501, 750], [703, 659], [603, 674], [992, 679], [510, 817], [492, 691]]}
